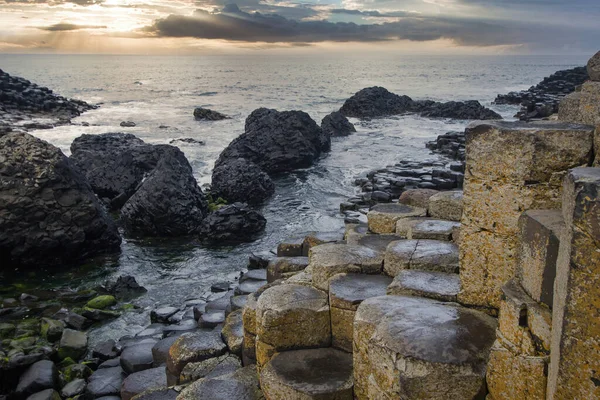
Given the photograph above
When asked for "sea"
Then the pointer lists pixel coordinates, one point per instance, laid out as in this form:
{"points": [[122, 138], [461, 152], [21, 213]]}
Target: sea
{"points": [[155, 91]]}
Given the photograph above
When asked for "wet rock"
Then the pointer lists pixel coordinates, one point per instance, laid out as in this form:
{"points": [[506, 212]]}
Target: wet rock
{"points": [[102, 302], [184, 140], [194, 347], [106, 350], [240, 385], [48, 394], [278, 141], [115, 362], [233, 332], [239, 180], [434, 285], [51, 329], [291, 247], [309, 374], [48, 214], [168, 202], [139, 382], [73, 320], [40, 376], [137, 357], [232, 223], [127, 124], [125, 287], [160, 350], [208, 115], [432, 229], [238, 302], [210, 368], [336, 124], [105, 382], [593, 67], [285, 267], [73, 388], [211, 319], [75, 371], [156, 394], [375, 102], [162, 314], [376, 242], [471, 109], [425, 255], [250, 286], [73, 344]]}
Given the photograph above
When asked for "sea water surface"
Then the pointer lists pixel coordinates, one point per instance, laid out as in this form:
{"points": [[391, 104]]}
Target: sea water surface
{"points": [[155, 91]]}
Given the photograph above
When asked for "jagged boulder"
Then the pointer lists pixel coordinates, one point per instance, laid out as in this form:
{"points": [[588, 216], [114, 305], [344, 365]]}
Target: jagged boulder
{"points": [[278, 141], [48, 213], [232, 223], [471, 109], [593, 67], [208, 115], [335, 124], [169, 201], [375, 102], [114, 164], [239, 180]]}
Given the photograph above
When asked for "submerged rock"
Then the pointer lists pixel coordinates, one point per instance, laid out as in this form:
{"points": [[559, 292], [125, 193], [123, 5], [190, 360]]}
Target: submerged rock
{"points": [[125, 287], [233, 223], [239, 180], [48, 213], [278, 141], [335, 124], [169, 202], [127, 124], [209, 115]]}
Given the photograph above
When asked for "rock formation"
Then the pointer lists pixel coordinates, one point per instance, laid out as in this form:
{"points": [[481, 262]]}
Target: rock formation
{"points": [[208, 115], [239, 180], [335, 124], [232, 223], [49, 215]]}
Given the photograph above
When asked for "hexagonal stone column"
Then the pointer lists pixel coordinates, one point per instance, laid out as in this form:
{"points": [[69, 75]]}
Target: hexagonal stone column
{"points": [[291, 317], [415, 348], [425, 255], [510, 167], [447, 205], [434, 229], [317, 374], [193, 347], [434, 285], [383, 217], [346, 292], [328, 260], [575, 365], [285, 267]]}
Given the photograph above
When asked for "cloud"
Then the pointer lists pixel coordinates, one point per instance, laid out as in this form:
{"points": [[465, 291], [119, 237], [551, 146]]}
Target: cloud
{"points": [[236, 25], [53, 2], [64, 26], [368, 13]]}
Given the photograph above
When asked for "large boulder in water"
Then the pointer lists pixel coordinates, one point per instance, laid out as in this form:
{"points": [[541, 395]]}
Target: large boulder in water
{"points": [[233, 223], [168, 202], [114, 164], [278, 141], [49, 215], [375, 102], [208, 115], [335, 124], [470, 109], [239, 180]]}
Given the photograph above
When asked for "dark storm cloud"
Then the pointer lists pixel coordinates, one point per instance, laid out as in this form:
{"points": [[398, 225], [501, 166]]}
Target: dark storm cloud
{"points": [[68, 27], [52, 2], [236, 25]]}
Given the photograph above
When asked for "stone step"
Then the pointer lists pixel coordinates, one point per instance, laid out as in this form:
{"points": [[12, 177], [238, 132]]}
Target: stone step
{"points": [[446, 205], [346, 292], [433, 285], [403, 225], [327, 260], [434, 229], [540, 239], [319, 374], [285, 267], [423, 254], [416, 348], [383, 217], [242, 384], [374, 241]]}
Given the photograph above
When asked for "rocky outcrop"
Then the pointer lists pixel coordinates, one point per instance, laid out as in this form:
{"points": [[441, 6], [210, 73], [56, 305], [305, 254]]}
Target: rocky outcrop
{"points": [[335, 124], [114, 164], [232, 223], [278, 141], [208, 115], [22, 100], [168, 202], [376, 102], [48, 213], [239, 180], [593, 67], [542, 100]]}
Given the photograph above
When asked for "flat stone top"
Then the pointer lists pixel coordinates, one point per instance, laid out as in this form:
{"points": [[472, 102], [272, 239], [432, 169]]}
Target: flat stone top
{"points": [[551, 219], [429, 248], [348, 290], [197, 341], [313, 371], [450, 195], [521, 126], [429, 330], [435, 226], [377, 242], [407, 247], [139, 382], [393, 208], [332, 254], [428, 281], [590, 175], [287, 297]]}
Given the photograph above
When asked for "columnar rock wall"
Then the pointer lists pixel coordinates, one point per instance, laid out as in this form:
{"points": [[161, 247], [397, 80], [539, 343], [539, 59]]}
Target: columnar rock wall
{"points": [[511, 168]]}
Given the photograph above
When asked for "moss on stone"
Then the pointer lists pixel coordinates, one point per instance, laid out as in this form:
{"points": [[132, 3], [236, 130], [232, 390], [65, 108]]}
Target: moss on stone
{"points": [[101, 302]]}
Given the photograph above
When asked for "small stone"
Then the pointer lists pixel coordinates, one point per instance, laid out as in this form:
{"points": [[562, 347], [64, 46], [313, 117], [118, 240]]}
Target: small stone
{"points": [[102, 302], [162, 314], [52, 329], [105, 350], [73, 344], [73, 388]]}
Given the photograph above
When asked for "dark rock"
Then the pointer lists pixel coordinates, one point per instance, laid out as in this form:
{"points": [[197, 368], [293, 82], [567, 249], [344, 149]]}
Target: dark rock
{"points": [[232, 223], [187, 141], [160, 350], [168, 202], [115, 362], [105, 382], [242, 384], [41, 375], [376, 102], [73, 388], [105, 350], [220, 287], [73, 344], [278, 141], [137, 357], [125, 287], [239, 180], [162, 314], [211, 319], [48, 213], [209, 115], [471, 109], [158, 394], [127, 124], [48, 394], [336, 124], [139, 382]]}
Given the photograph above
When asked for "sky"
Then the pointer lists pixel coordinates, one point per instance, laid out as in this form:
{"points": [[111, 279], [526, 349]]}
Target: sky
{"points": [[223, 26]]}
